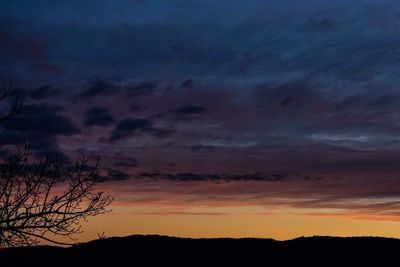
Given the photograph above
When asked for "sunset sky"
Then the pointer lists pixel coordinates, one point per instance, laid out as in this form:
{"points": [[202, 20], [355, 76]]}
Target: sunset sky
{"points": [[216, 118]]}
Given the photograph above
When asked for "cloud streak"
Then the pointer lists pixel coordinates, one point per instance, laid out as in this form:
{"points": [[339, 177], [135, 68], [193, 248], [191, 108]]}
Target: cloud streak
{"points": [[282, 103]]}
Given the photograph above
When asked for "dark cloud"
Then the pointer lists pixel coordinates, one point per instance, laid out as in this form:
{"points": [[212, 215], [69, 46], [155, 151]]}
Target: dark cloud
{"points": [[41, 121], [134, 108], [129, 127], [288, 100], [187, 83], [52, 154], [11, 138], [40, 125], [213, 177], [5, 155], [40, 147], [99, 88], [98, 116], [20, 93], [44, 92], [189, 110], [199, 148], [299, 92], [115, 175], [129, 163], [160, 133], [141, 89]]}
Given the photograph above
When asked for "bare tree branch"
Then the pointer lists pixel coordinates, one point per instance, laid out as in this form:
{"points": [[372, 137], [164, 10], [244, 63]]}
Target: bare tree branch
{"points": [[16, 104], [38, 199]]}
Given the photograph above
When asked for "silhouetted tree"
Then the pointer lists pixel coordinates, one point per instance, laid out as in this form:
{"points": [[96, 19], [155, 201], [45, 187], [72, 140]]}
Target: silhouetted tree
{"points": [[40, 200], [15, 103]]}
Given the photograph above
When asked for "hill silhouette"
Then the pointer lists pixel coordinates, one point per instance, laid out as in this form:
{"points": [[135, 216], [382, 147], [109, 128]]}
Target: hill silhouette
{"points": [[154, 250]]}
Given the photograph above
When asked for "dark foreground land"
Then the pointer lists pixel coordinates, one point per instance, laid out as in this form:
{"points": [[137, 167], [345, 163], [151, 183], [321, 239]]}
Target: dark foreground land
{"points": [[141, 250]]}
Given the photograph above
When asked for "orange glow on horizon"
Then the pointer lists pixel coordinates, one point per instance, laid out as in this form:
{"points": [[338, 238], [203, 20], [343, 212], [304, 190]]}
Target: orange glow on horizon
{"points": [[237, 225], [191, 210]]}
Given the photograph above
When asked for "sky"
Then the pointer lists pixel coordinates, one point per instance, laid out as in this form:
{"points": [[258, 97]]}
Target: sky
{"points": [[216, 118]]}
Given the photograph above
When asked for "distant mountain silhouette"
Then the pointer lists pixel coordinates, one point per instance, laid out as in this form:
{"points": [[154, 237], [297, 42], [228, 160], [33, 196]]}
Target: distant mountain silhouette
{"points": [[154, 250]]}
